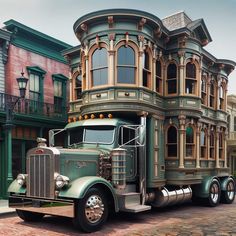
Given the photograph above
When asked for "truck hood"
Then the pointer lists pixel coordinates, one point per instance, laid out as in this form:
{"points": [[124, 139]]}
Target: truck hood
{"points": [[76, 163]]}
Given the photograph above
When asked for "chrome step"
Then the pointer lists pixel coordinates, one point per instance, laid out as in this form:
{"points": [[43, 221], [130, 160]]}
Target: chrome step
{"points": [[130, 202]]}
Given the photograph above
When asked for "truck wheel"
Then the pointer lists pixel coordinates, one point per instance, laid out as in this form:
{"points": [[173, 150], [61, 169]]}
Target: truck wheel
{"points": [[229, 194], [214, 193], [91, 212], [29, 216]]}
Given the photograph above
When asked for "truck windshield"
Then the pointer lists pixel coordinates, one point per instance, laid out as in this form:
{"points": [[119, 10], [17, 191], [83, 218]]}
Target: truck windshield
{"points": [[95, 134]]}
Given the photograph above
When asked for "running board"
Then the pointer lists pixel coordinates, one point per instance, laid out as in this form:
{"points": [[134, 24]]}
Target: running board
{"points": [[130, 202]]}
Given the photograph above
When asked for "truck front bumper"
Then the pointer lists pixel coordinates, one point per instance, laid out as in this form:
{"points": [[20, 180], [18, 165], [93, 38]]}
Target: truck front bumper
{"points": [[44, 206]]}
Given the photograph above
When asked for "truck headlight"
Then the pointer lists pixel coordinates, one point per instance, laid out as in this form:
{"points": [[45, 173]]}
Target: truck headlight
{"points": [[21, 179], [61, 181]]}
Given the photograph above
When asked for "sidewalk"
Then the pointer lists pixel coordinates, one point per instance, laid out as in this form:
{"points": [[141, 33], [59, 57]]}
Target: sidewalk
{"points": [[4, 209]]}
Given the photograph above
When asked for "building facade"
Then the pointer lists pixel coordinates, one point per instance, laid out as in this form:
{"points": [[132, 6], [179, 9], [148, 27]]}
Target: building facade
{"points": [[231, 142], [132, 61], [44, 107]]}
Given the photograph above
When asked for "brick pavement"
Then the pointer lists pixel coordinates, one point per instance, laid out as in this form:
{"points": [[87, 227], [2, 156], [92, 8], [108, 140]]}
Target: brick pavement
{"points": [[178, 220]]}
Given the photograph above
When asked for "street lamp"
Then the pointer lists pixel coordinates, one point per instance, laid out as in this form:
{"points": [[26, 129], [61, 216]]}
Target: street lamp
{"points": [[10, 105]]}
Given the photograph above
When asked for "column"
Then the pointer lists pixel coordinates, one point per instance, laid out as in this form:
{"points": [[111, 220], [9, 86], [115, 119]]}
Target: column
{"points": [[198, 132], [111, 69], [86, 67], [182, 131], [225, 149], [140, 61], [181, 72], [217, 147]]}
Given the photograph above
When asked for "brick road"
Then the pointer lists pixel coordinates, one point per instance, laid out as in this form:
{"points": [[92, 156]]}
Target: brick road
{"points": [[178, 220]]}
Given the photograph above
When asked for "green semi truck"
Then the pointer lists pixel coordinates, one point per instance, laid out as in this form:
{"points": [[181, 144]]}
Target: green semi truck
{"points": [[108, 165]]}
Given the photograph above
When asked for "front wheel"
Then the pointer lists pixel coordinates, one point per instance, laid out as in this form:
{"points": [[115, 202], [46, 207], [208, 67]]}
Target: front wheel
{"points": [[29, 216], [91, 212], [214, 193], [229, 194]]}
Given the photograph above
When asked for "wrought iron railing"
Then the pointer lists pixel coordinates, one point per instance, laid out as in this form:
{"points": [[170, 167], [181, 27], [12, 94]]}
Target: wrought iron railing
{"points": [[32, 108]]}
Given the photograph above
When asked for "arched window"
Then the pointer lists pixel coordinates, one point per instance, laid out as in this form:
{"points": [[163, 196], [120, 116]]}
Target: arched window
{"points": [[190, 142], [212, 144], [172, 142], [221, 145], [221, 97], [99, 67], [190, 81], [204, 90], [158, 77], [146, 70], [126, 65], [212, 94], [78, 87], [203, 143], [171, 79]]}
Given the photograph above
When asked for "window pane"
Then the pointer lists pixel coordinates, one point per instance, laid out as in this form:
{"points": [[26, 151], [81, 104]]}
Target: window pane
{"points": [[172, 135], [100, 77], [172, 150], [189, 86], [146, 60], [126, 56], [99, 58], [158, 68], [189, 135], [203, 139], [126, 75], [190, 70], [172, 86], [171, 71]]}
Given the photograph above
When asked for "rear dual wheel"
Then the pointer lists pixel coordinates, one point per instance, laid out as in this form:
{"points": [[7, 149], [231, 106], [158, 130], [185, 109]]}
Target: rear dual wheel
{"points": [[228, 195]]}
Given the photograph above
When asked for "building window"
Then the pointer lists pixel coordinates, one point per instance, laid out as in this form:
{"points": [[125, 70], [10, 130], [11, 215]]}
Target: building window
{"points": [[221, 98], [235, 123], [34, 87], [158, 77], [221, 145], [172, 79], [190, 81], [126, 65], [212, 144], [99, 67], [190, 142], [212, 94], [203, 143], [146, 70], [78, 87], [172, 142], [59, 84], [204, 91]]}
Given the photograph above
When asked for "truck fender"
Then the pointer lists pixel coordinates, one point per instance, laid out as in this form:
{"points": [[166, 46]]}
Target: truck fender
{"points": [[79, 187], [202, 190], [14, 187]]}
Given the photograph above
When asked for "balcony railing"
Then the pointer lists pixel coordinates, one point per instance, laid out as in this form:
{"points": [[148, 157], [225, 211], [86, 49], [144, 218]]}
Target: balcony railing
{"points": [[33, 108]]}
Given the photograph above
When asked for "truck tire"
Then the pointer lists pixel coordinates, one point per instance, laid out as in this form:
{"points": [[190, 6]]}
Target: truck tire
{"points": [[91, 212], [29, 216], [214, 193], [228, 195]]}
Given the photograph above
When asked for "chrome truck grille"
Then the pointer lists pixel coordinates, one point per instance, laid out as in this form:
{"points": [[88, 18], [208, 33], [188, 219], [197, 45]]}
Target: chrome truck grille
{"points": [[40, 181]]}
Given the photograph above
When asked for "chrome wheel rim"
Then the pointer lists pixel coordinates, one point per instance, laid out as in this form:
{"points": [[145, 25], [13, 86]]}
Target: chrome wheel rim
{"points": [[230, 190], [214, 192], [94, 209]]}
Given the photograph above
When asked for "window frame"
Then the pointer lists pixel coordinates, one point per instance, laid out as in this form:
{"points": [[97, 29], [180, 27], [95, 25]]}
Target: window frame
{"points": [[191, 79], [171, 144], [147, 55], [91, 69], [159, 78], [135, 48], [190, 144], [203, 148], [172, 79]]}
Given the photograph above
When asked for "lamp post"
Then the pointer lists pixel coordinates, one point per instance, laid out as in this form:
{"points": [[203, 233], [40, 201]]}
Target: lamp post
{"points": [[10, 105]]}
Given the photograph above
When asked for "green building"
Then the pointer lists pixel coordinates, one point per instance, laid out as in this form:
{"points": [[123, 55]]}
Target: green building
{"points": [[44, 107]]}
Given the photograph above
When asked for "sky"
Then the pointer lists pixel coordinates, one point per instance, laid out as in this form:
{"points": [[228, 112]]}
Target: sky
{"points": [[56, 18]]}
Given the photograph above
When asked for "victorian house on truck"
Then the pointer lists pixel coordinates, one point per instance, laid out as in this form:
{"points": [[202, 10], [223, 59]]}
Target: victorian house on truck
{"points": [[44, 107], [131, 61]]}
